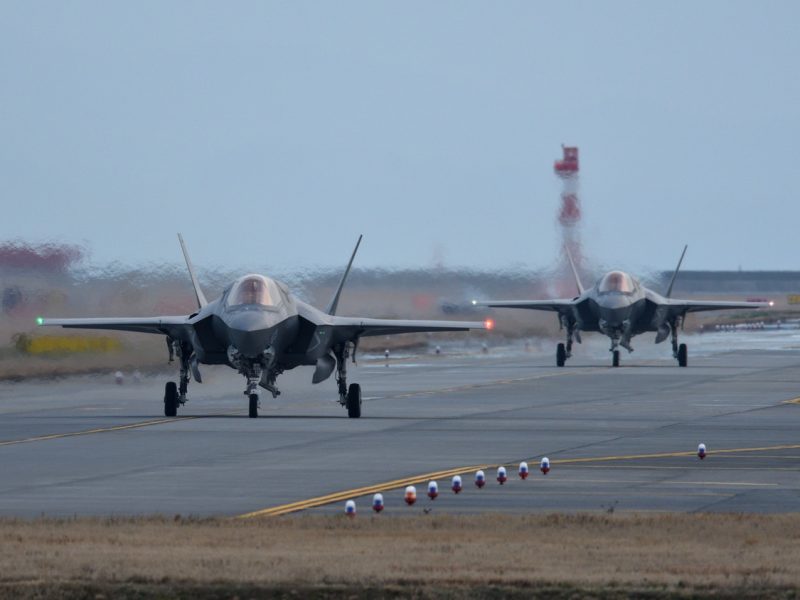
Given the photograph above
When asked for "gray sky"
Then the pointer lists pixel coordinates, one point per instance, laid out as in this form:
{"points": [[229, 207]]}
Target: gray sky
{"points": [[272, 133]]}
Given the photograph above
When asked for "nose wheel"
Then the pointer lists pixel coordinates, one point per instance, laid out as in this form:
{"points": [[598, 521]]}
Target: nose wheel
{"points": [[615, 358], [253, 406]]}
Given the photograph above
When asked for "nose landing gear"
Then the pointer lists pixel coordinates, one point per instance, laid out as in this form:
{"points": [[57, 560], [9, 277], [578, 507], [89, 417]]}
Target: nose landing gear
{"points": [[254, 404]]}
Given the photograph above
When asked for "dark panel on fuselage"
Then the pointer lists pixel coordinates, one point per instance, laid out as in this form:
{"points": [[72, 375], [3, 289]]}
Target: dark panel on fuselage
{"points": [[644, 322], [206, 344], [587, 315], [296, 352]]}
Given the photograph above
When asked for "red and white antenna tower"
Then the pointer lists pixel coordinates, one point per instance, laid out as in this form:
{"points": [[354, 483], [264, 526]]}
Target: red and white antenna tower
{"points": [[569, 215]]}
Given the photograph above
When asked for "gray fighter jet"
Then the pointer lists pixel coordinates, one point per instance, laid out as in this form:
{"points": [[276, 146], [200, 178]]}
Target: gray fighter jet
{"points": [[258, 328], [621, 307]]}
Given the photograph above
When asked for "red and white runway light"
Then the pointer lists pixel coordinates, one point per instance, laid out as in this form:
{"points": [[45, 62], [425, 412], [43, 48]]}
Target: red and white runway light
{"points": [[350, 508], [456, 484], [544, 466], [410, 495], [523, 470], [701, 451], [433, 490], [502, 477], [480, 479], [377, 503]]}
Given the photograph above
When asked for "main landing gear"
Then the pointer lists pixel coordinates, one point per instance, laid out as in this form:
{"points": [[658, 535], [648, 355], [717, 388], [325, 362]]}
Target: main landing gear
{"points": [[679, 351], [564, 351], [349, 397], [175, 394]]}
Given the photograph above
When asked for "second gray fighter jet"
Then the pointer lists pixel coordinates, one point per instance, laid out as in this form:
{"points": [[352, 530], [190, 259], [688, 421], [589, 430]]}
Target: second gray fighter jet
{"points": [[621, 307]]}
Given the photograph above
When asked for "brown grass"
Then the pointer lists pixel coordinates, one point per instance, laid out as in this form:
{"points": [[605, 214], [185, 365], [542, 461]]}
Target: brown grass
{"points": [[655, 555]]}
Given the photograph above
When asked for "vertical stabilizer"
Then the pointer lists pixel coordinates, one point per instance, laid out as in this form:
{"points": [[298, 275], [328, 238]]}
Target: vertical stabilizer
{"points": [[201, 298], [331, 310], [675, 274], [574, 271]]}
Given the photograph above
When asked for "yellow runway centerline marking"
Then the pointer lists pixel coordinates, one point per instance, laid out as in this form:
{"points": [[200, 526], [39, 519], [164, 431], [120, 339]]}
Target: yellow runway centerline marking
{"points": [[285, 509], [56, 436]]}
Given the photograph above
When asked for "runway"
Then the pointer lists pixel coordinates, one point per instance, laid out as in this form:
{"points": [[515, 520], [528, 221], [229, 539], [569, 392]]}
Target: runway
{"points": [[618, 439]]}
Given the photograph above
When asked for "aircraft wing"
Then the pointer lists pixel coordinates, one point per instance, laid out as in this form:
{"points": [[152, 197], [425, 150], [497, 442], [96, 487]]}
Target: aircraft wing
{"points": [[162, 325], [368, 327], [549, 305], [686, 306]]}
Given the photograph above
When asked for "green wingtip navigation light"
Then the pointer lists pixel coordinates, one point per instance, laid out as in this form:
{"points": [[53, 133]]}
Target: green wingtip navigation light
{"points": [[40, 320]]}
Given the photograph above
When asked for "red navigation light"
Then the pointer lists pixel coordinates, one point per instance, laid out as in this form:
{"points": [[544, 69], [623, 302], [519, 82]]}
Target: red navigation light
{"points": [[567, 166], [489, 324]]}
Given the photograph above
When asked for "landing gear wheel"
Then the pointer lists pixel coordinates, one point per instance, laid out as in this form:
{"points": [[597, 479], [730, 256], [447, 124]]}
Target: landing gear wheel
{"points": [[354, 401], [561, 355], [170, 399], [683, 358], [253, 406], [615, 358]]}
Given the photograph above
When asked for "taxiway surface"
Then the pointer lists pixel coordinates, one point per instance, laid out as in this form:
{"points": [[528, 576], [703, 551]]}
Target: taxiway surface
{"points": [[86, 446]]}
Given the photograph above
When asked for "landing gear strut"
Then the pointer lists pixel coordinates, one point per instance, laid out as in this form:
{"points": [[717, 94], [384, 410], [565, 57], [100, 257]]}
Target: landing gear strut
{"points": [[349, 397]]}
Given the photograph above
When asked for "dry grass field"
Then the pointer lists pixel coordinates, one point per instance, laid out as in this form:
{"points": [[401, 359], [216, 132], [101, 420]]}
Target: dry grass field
{"points": [[553, 556]]}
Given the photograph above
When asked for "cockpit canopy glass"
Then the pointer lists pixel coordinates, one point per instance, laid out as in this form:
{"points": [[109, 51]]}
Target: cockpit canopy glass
{"points": [[254, 289], [616, 281]]}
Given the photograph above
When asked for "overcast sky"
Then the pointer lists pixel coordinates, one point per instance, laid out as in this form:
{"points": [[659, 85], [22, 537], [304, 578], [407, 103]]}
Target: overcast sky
{"points": [[273, 133]]}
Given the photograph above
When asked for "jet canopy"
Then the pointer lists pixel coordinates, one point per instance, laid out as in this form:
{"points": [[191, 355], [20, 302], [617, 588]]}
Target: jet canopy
{"points": [[254, 289], [616, 281]]}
